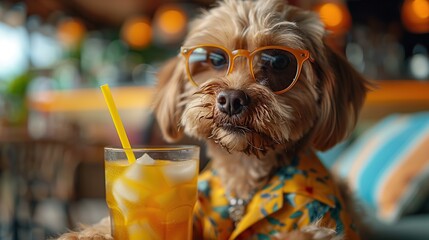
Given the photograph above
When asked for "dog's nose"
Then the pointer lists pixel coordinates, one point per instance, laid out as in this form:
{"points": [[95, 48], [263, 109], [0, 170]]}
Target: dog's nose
{"points": [[231, 101]]}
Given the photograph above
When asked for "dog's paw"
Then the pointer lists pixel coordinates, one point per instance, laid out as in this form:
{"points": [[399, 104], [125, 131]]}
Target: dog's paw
{"points": [[85, 236], [99, 231], [310, 233], [295, 235]]}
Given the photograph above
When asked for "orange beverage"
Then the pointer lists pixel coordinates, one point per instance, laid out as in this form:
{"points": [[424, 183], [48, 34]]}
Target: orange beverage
{"points": [[154, 197]]}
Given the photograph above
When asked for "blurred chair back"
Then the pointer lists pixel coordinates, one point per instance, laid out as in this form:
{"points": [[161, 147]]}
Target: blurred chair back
{"points": [[38, 178]]}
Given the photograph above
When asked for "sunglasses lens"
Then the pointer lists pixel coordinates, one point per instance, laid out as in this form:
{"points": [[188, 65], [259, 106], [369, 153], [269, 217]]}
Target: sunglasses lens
{"points": [[275, 68], [207, 62]]}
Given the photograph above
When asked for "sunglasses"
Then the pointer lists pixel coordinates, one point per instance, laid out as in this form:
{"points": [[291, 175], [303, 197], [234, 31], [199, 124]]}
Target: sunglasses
{"points": [[276, 67]]}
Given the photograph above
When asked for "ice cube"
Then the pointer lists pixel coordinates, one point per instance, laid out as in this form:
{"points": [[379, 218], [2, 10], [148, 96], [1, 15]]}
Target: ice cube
{"points": [[179, 173], [127, 190], [145, 159], [124, 190], [136, 171], [167, 199], [125, 195], [142, 230]]}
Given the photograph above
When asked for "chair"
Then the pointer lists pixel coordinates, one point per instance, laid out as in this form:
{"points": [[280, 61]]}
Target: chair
{"points": [[39, 175]]}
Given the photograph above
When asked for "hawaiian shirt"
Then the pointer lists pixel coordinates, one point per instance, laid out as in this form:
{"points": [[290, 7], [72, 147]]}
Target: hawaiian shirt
{"points": [[297, 195]]}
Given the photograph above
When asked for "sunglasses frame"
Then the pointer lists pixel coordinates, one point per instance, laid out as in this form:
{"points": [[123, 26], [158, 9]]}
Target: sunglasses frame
{"points": [[300, 55]]}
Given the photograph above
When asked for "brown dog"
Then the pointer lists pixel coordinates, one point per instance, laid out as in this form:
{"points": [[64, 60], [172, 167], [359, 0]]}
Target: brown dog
{"points": [[257, 83]]}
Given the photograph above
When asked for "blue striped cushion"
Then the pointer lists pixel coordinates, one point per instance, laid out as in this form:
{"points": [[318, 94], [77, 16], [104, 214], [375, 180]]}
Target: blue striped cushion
{"points": [[388, 165]]}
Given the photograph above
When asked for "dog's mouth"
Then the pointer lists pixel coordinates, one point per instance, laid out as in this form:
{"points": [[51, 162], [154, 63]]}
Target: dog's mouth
{"points": [[234, 128], [235, 137]]}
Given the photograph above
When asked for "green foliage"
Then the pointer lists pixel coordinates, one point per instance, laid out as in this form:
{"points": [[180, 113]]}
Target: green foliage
{"points": [[13, 94]]}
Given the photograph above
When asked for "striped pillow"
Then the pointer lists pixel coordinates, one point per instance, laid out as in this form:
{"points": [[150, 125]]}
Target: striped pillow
{"points": [[388, 166]]}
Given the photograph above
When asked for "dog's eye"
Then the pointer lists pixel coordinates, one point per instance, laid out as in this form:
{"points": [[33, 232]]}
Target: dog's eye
{"points": [[218, 59], [280, 62], [274, 68], [276, 62]]}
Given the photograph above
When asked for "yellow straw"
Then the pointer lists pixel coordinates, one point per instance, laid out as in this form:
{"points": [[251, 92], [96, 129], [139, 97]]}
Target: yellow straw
{"points": [[117, 122]]}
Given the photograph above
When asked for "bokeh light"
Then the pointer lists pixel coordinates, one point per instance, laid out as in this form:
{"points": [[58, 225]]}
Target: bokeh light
{"points": [[137, 32], [335, 16], [170, 23], [45, 51], [13, 51], [71, 31], [419, 66], [421, 8], [331, 14], [415, 15]]}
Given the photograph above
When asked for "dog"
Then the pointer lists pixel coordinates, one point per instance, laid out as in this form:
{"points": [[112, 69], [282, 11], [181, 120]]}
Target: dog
{"points": [[257, 83]]}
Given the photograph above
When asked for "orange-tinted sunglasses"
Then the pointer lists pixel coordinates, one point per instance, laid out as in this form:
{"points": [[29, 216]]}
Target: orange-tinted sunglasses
{"points": [[276, 67]]}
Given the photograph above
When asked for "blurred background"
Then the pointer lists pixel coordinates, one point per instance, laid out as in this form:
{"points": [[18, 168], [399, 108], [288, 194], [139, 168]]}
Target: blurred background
{"points": [[54, 54]]}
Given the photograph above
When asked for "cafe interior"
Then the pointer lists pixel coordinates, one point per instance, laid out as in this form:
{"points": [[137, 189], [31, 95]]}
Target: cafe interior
{"points": [[54, 122]]}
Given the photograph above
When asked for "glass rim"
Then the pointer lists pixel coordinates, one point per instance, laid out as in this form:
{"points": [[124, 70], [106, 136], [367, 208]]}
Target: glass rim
{"points": [[153, 148]]}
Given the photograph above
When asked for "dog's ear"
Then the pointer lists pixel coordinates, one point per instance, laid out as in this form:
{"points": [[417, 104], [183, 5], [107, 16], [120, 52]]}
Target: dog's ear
{"points": [[167, 99], [343, 92], [342, 88]]}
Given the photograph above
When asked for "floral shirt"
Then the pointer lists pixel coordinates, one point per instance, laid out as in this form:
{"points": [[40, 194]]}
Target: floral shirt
{"points": [[297, 195]]}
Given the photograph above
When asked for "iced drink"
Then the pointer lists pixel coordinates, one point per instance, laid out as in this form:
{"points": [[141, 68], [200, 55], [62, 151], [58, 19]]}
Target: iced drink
{"points": [[152, 198]]}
